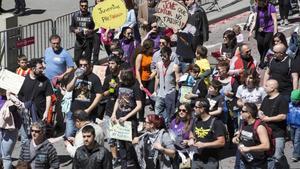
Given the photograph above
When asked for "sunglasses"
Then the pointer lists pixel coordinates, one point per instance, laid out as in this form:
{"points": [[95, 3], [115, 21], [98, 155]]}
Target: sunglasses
{"points": [[198, 107], [182, 110], [84, 5], [35, 131], [244, 111]]}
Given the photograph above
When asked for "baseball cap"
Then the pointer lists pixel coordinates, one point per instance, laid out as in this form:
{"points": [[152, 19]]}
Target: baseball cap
{"points": [[295, 96]]}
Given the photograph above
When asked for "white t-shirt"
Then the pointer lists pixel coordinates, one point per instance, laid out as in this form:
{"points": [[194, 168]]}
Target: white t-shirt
{"points": [[255, 95]]}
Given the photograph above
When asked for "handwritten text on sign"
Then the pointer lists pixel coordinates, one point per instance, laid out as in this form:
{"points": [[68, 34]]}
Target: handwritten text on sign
{"points": [[172, 13], [121, 132], [110, 14]]}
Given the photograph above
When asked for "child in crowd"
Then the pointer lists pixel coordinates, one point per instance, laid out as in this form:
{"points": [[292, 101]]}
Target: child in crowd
{"points": [[293, 120], [238, 34], [22, 61], [216, 100], [203, 63]]}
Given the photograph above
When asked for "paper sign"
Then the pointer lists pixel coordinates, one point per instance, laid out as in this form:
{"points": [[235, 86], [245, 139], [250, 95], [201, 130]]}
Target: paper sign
{"points": [[110, 14], [172, 13], [120, 132], [183, 91], [11, 81]]}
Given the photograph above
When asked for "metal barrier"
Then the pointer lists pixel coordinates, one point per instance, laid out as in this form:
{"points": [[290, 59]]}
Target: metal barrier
{"points": [[31, 40], [214, 3]]}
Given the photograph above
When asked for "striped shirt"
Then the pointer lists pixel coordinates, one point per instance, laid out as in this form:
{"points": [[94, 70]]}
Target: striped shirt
{"points": [[23, 72], [46, 157]]}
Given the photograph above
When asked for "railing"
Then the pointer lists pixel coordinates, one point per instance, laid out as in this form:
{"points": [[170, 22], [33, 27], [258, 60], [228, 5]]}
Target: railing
{"points": [[11, 45]]}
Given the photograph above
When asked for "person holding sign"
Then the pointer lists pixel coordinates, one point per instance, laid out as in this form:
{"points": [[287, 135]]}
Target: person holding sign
{"points": [[126, 107], [82, 25], [155, 145]]}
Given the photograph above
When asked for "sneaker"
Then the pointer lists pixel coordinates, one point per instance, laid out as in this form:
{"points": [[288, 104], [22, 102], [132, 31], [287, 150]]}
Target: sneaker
{"points": [[22, 13], [294, 159], [286, 22], [17, 11]]}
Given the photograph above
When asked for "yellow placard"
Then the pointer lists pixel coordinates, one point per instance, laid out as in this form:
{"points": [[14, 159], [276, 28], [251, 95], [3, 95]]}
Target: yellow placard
{"points": [[110, 14]]}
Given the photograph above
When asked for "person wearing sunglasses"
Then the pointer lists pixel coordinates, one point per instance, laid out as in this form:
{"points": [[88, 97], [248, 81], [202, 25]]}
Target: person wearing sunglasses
{"points": [[38, 151], [207, 136], [87, 88], [252, 145], [82, 25]]}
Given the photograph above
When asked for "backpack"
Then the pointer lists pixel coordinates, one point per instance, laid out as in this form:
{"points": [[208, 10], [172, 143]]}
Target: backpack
{"points": [[258, 122]]}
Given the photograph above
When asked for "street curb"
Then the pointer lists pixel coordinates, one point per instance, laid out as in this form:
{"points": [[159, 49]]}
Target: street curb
{"points": [[229, 15]]}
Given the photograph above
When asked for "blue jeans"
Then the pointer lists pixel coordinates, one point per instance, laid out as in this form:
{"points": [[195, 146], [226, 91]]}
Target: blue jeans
{"points": [[279, 152], [23, 134], [295, 136], [70, 125], [8, 139], [166, 106], [184, 66]]}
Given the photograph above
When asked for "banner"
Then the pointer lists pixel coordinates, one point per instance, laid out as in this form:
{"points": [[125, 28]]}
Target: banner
{"points": [[120, 132], [172, 13], [110, 14], [11, 81]]}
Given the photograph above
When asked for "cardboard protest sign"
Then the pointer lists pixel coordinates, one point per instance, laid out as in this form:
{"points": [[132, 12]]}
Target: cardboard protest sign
{"points": [[110, 14], [100, 72], [172, 13], [11, 81], [120, 132]]}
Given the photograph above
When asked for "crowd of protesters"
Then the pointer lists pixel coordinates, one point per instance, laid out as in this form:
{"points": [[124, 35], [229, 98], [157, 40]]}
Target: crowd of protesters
{"points": [[183, 112]]}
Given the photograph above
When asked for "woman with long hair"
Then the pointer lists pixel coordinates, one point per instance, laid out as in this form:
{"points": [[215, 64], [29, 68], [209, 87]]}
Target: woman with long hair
{"points": [[182, 123], [229, 45], [278, 38], [127, 105], [143, 72], [265, 26]]}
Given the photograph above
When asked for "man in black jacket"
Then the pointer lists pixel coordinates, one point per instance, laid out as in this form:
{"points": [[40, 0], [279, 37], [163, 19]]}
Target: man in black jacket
{"points": [[194, 33], [82, 25], [91, 155]]}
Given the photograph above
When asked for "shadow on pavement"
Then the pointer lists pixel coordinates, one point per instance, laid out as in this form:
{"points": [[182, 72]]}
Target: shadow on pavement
{"points": [[34, 11]]}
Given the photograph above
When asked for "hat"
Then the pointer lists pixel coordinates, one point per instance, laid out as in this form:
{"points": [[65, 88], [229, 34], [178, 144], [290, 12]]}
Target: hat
{"points": [[295, 96]]}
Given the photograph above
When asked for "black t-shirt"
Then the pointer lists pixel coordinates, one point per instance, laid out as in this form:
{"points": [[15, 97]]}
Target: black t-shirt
{"points": [[37, 90], [203, 133], [215, 102], [127, 97], [85, 91], [248, 139], [111, 99], [274, 107], [281, 71]]}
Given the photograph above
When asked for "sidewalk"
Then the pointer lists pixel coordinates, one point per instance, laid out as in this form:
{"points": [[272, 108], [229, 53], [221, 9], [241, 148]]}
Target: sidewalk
{"points": [[40, 10]]}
